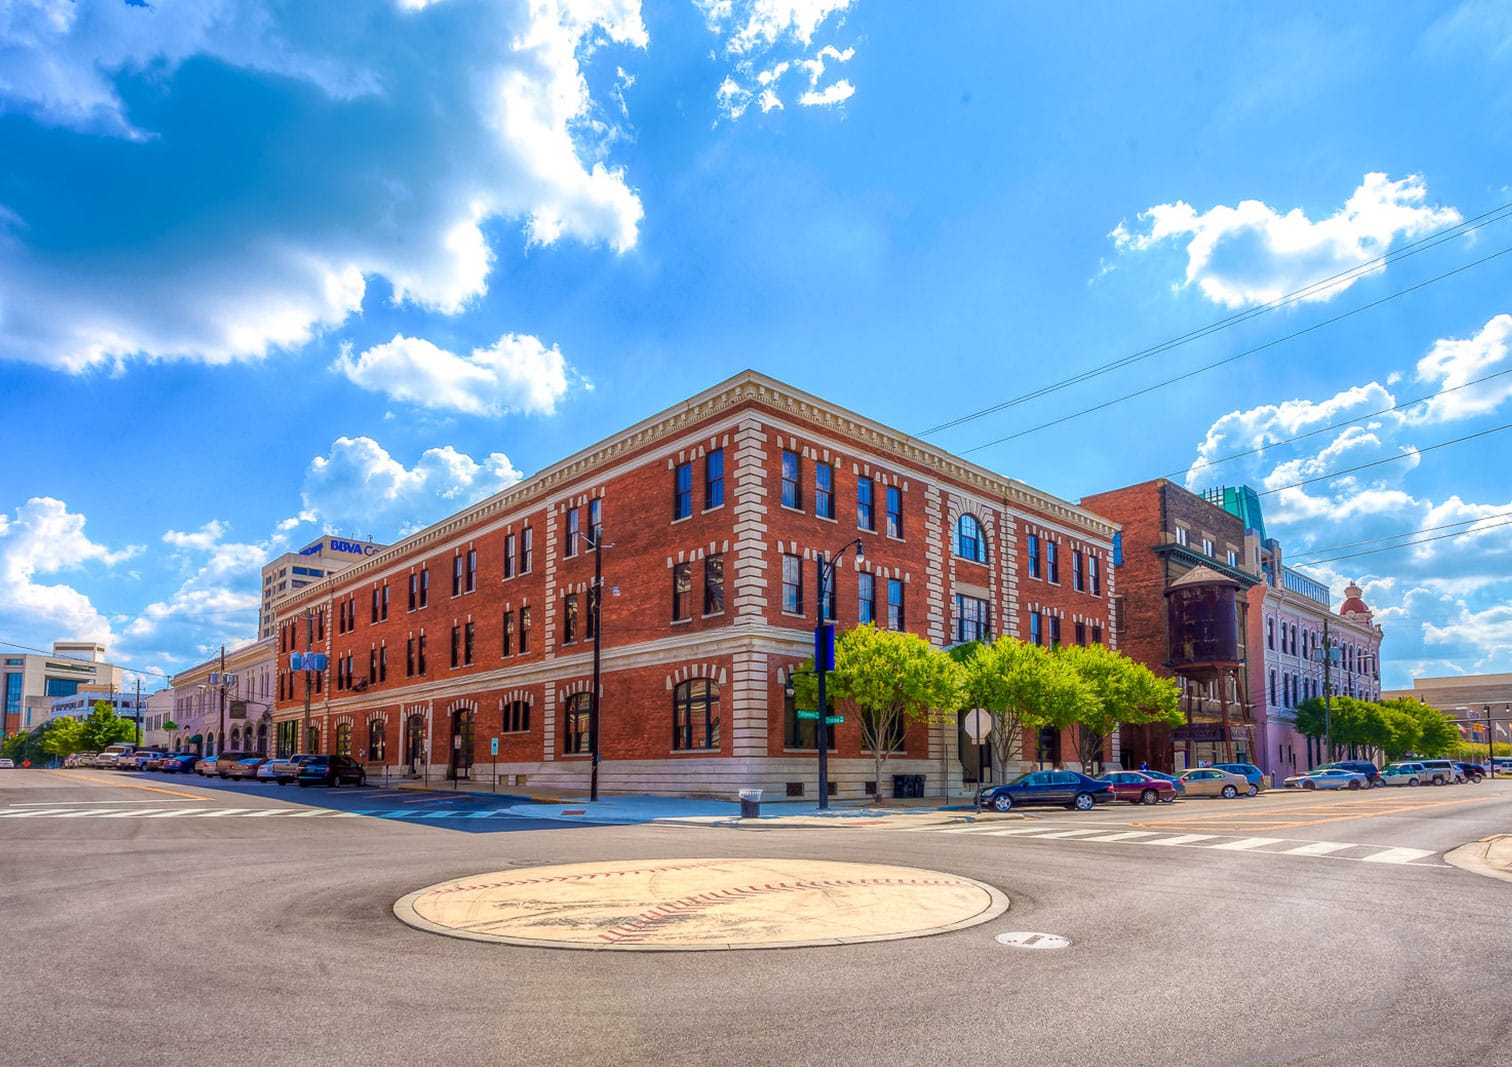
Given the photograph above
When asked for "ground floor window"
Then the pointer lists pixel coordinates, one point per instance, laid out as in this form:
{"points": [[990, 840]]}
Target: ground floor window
{"points": [[695, 715], [287, 736], [516, 717], [377, 741], [575, 736], [344, 739]]}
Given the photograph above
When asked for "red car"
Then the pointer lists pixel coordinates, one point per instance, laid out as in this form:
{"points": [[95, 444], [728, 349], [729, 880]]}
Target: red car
{"points": [[1139, 788]]}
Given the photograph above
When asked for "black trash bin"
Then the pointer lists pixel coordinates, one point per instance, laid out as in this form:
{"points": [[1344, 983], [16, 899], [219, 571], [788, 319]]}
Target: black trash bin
{"points": [[750, 803], [902, 784]]}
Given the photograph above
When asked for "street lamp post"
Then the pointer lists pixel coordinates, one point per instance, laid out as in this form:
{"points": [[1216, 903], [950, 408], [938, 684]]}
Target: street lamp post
{"points": [[824, 649], [596, 612], [1325, 652]]}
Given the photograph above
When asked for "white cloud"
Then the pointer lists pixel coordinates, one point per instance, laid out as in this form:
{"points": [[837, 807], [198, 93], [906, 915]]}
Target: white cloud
{"points": [[1454, 362], [753, 32], [1488, 631], [516, 373], [361, 490], [1252, 254], [370, 186], [45, 538]]}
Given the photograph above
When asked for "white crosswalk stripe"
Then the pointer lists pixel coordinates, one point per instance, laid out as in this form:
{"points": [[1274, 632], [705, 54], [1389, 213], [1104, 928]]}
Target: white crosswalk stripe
{"points": [[1268, 846]]}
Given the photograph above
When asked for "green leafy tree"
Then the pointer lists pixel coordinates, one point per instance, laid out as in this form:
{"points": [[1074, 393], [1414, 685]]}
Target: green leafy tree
{"points": [[104, 727], [892, 679], [1437, 735], [1403, 732], [65, 738], [1122, 691], [1025, 688]]}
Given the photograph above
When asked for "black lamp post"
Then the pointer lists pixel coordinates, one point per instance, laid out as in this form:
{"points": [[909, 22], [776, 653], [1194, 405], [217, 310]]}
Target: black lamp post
{"points": [[596, 613], [824, 647]]}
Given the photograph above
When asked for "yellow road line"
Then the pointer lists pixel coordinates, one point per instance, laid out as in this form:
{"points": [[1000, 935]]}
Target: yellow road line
{"points": [[126, 785]]}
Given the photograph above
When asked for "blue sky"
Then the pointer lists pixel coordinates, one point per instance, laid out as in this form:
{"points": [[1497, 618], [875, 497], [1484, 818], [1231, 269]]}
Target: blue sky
{"points": [[273, 269]]}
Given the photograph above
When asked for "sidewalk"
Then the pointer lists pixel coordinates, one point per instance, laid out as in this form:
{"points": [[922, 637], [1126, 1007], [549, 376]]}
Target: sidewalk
{"points": [[1490, 856], [679, 811]]}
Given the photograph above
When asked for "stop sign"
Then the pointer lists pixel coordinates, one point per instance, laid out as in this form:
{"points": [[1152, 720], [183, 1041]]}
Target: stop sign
{"points": [[978, 724]]}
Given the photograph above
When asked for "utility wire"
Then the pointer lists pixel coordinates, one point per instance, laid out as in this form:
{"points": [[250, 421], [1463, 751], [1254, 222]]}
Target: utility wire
{"points": [[1406, 544], [153, 671], [1423, 244], [1388, 459], [1339, 425], [1240, 355], [1303, 556]]}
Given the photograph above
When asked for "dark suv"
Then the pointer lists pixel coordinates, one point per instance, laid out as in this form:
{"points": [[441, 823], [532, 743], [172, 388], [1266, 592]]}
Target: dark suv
{"points": [[1474, 772], [331, 771], [1359, 766]]}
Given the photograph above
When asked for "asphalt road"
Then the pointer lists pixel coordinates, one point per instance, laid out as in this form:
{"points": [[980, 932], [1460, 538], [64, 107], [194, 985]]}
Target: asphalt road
{"points": [[270, 939]]}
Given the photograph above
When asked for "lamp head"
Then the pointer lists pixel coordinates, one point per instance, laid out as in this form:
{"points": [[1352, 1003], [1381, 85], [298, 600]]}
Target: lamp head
{"points": [[860, 550]]}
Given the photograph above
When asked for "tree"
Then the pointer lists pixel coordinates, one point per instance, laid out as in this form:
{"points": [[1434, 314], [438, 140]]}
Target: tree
{"points": [[1403, 732], [104, 727], [65, 738], [1025, 688], [892, 679], [1122, 691], [1437, 735]]}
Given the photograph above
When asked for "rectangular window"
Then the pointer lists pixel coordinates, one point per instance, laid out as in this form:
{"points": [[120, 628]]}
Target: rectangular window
{"points": [[508, 633], [895, 616], [572, 532], [524, 630], [409, 657], [824, 490], [1036, 636], [472, 570], [1094, 576], [590, 620], [682, 493], [1055, 631], [457, 574], [509, 555], [527, 549], [1052, 562], [383, 663], [424, 586], [414, 588], [372, 665], [1034, 555], [1078, 570], [714, 478], [1097, 635], [456, 646], [569, 618], [802, 733], [375, 604], [1207, 547], [791, 494], [829, 595], [894, 511], [420, 655], [792, 585], [682, 591], [1233, 559], [864, 518], [384, 603], [1081, 633], [713, 584], [1181, 535], [866, 598], [973, 619], [469, 632]]}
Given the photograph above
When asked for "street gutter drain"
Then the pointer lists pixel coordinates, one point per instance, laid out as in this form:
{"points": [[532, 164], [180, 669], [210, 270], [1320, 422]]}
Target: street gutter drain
{"points": [[1029, 939]]}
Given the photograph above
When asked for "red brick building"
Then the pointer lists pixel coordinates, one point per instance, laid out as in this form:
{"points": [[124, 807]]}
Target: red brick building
{"points": [[479, 628], [1182, 612]]}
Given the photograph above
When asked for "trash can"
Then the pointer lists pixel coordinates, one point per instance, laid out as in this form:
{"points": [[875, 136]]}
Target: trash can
{"points": [[902, 785], [916, 786], [750, 803]]}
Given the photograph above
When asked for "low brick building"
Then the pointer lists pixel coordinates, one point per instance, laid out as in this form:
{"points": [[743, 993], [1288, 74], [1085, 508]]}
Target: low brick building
{"points": [[467, 649]]}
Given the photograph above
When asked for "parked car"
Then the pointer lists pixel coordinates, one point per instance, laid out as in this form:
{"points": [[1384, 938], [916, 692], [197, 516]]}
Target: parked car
{"points": [[1442, 771], [1371, 772], [1176, 782], [333, 770], [180, 762], [284, 769], [1328, 778], [140, 760], [225, 760], [107, 758], [1139, 788], [205, 766], [1473, 772], [1501, 765], [7, 765], [155, 761], [1211, 782], [1248, 771], [1069, 788], [246, 768], [1403, 773]]}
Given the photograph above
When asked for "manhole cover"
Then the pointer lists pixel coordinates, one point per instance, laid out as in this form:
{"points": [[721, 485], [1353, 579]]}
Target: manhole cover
{"points": [[701, 904], [1028, 939]]}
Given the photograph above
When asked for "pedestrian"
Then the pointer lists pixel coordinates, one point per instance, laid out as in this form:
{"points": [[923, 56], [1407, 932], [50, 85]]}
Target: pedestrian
{"points": [[1143, 765]]}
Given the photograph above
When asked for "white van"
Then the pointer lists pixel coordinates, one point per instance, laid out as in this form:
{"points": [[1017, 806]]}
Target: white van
{"points": [[108, 757]]}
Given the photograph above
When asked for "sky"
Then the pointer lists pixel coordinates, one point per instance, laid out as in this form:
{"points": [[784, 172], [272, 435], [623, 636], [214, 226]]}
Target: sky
{"points": [[269, 270]]}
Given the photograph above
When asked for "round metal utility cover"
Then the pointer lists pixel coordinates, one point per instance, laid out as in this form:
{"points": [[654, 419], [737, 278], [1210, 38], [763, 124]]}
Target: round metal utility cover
{"points": [[1029, 939], [683, 904]]}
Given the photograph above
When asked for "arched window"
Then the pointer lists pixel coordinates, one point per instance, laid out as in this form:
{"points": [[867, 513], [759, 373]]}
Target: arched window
{"points": [[344, 739], [575, 737], [377, 741], [969, 543], [695, 715], [210, 748], [516, 717]]}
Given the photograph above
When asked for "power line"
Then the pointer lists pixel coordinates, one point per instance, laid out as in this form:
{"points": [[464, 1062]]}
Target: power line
{"points": [[1406, 544], [1432, 240], [1388, 459], [1338, 425], [1238, 356], [1304, 556], [153, 671]]}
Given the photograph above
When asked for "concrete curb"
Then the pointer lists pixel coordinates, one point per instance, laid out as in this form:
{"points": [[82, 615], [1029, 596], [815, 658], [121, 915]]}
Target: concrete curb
{"points": [[1490, 857]]}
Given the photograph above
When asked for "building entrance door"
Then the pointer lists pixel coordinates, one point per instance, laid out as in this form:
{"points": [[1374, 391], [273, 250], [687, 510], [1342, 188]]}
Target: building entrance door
{"points": [[414, 742], [461, 744]]}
